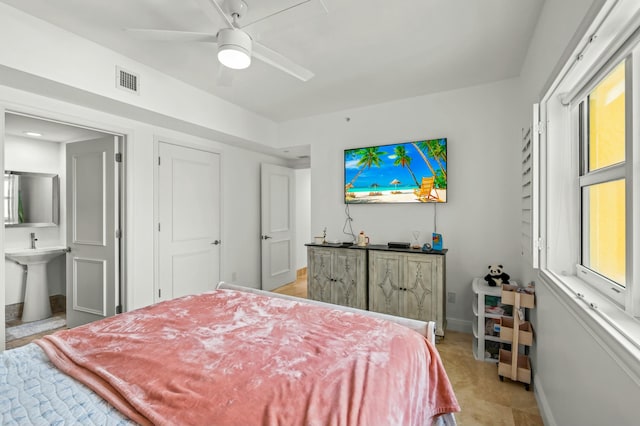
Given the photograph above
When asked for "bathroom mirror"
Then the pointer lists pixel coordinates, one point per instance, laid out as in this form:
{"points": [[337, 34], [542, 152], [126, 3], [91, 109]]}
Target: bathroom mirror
{"points": [[31, 199]]}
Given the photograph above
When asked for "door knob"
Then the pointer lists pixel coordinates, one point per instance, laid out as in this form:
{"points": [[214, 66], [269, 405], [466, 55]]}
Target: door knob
{"points": [[266, 237], [216, 242]]}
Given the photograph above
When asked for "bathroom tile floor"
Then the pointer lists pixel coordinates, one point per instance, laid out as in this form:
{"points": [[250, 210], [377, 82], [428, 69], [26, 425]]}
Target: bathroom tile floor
{"points": [[27, 339]]}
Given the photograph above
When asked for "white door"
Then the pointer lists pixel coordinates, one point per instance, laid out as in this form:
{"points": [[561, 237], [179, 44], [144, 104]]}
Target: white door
{"points": [[189, 221], [93, 276], [278, 226]]}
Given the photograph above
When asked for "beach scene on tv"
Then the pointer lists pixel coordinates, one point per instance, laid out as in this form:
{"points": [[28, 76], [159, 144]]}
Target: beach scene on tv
{"points": [[408, 172]]}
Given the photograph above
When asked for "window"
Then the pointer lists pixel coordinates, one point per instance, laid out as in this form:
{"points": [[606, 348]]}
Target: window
{"points": [[589, 182], [602, 142], [10, 205], [590, 171]]}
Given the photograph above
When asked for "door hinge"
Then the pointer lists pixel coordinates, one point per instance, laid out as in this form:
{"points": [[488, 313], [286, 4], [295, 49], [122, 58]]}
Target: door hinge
{"points": [[159, 293], [158, 160], [118, 157], [158, 226], [119, 309], [538, 127], [118, 233], [538, 244]]}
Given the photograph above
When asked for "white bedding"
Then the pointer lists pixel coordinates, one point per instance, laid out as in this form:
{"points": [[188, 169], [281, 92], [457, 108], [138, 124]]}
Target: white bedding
{"points": [[34, 392]]}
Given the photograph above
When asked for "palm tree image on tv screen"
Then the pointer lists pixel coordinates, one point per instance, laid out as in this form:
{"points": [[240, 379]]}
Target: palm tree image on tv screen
{"points": [[407, 172]]}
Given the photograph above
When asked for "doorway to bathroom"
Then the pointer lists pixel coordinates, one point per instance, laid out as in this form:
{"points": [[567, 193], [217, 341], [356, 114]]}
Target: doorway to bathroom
{"points": [[68, 234]]}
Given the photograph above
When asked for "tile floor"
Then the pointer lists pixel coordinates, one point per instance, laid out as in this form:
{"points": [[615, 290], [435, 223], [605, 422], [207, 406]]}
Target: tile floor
{"points": [[24, 340]]}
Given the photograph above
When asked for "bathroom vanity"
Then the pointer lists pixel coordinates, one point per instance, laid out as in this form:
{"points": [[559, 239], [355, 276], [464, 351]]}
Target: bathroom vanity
{"points": [[31, 203]]}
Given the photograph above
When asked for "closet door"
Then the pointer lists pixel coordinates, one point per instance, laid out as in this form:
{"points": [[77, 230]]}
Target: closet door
{"points": [[189, 221]]}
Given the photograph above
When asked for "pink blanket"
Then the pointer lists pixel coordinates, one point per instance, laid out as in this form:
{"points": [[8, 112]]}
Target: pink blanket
{"points": [[235, 358]]}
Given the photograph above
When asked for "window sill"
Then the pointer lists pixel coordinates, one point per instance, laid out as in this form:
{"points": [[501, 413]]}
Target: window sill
{"points": [[615, 331]]}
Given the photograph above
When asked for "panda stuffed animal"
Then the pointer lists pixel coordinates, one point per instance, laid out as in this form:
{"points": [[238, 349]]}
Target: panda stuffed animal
{"points": [[496, 276]]}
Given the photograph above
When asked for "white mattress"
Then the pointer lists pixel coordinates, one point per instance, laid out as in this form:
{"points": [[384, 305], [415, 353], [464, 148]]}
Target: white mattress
{"points": [[34, 392]]}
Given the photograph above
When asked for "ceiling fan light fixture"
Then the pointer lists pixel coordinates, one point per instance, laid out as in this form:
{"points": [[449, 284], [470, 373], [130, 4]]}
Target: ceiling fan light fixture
{"points": [[234, 48]]}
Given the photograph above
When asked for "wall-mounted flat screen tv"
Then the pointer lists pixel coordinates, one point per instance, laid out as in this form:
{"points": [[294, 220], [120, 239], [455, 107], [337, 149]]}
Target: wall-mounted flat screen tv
{"points": [[407, 172]]}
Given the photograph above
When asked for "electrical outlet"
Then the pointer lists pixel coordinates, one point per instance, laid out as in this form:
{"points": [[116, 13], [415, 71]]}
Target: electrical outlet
{"points": [[234, 276], [451, 297]]}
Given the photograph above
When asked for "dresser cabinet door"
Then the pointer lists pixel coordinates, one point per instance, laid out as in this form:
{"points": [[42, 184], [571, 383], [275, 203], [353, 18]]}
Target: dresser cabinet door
{"points": [[349, 278], [424, 280], [319, 274], [385, 278], [419, 280]]}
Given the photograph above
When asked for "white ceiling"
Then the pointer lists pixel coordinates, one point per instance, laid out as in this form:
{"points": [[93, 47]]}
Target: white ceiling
{"points": [[51, 131], [362, 52]]}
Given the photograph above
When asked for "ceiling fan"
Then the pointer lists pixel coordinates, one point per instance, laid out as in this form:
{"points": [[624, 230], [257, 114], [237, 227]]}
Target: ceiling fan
{"points": [[235, 46]]}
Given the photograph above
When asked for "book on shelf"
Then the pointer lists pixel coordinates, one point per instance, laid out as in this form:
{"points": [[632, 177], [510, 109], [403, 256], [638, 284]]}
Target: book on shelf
{"points": [[506, 310], [492, 327]]}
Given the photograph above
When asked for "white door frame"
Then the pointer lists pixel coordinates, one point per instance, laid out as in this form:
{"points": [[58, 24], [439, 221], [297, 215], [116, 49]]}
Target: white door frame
{"points": [[125, 213], [157, 139]]}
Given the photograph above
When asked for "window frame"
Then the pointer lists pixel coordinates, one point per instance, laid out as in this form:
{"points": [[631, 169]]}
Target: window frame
{"points": [[612, 36], [618, 171]]}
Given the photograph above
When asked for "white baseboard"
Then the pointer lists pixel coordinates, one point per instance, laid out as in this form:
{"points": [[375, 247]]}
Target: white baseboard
{"points": [[463, 326], [543, 403]]}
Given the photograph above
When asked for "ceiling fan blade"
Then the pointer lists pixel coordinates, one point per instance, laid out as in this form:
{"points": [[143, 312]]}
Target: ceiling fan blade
{"points": [[224, 77], [323, 6], [170, 35], [275, 13], [205, 5], [276, 60]]}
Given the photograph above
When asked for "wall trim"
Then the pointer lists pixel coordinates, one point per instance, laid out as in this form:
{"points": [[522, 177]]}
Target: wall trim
{"points": [[456, 324], [543, 402]]}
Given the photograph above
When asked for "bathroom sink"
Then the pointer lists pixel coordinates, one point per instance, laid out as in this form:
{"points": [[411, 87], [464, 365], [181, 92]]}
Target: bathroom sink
{"points": [[33, 256], [36, 293]]}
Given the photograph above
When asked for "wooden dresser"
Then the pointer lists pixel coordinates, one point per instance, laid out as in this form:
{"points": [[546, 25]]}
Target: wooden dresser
{"points": [[403, 282]]}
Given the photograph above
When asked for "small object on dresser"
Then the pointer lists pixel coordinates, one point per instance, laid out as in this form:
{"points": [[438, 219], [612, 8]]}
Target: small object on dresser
{"points": [[398, 245], [415, 241], [437, 241]]}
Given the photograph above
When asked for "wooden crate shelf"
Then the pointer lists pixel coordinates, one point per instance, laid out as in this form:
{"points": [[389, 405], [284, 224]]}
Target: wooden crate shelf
{"points": [[525, 333], [509, 293], [512, 364], [522, 368]]}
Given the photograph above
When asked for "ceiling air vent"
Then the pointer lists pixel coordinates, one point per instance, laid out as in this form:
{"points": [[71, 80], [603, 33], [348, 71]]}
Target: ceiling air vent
{"points": [[127, 80]]}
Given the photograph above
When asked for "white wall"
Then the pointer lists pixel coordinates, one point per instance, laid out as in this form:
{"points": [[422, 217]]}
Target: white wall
{"points": [[559, 20], [479, 223], [576, 379], [303, 215], [50, 72], [241, 242], [240, 192], [28, 155]]}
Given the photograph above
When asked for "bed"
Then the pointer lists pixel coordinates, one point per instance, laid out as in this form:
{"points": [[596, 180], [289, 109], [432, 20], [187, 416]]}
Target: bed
{"points": [[231, 356]]}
